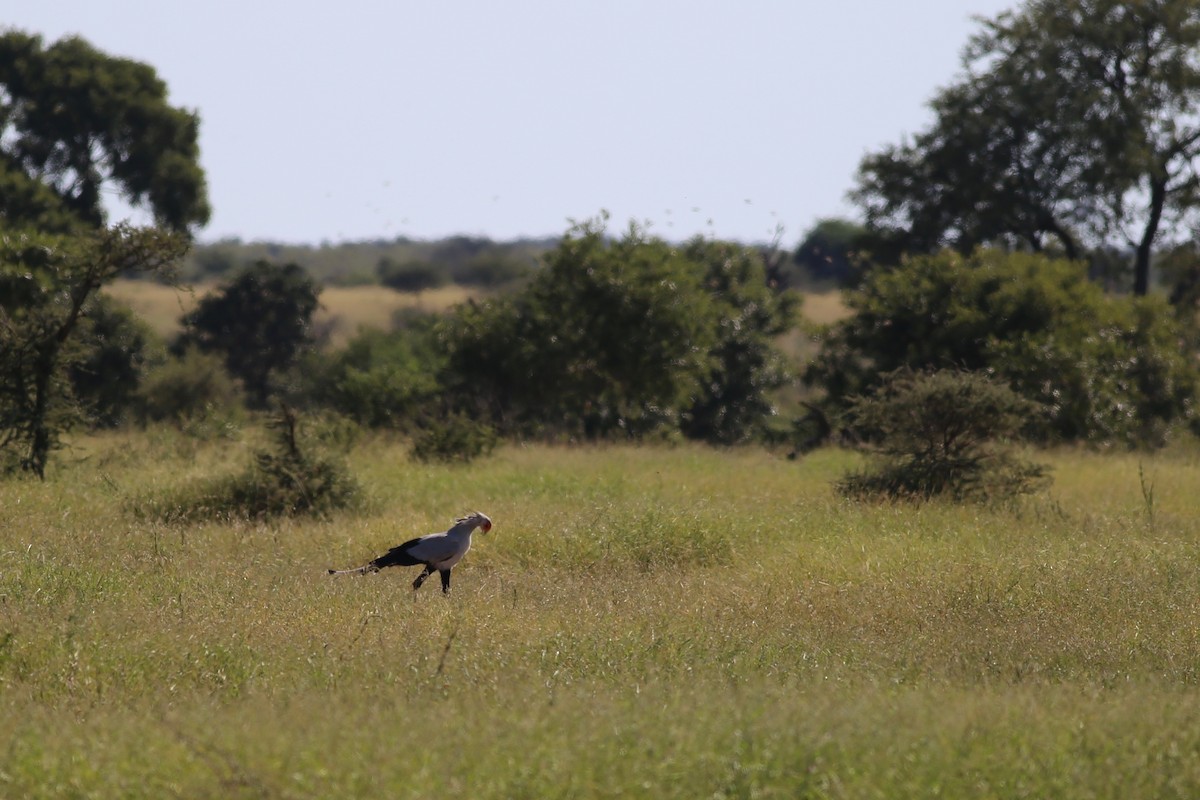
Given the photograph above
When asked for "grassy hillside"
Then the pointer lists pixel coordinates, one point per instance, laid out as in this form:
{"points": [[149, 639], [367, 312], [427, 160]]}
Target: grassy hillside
{"points": [[641, 623]]}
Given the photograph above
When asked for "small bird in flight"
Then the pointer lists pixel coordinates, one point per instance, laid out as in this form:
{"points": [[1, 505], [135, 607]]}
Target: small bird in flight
{"points": [[436, 551]]}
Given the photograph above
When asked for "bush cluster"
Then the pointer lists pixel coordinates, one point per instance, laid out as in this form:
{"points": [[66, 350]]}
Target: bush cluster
{"points": [[1103, 368], [624, 338]]}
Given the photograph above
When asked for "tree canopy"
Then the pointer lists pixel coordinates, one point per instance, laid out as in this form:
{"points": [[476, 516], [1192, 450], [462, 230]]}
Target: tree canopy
{"points": [[621, 337], [260, 321], [1076, 124], [829, 251], [75, 122]]}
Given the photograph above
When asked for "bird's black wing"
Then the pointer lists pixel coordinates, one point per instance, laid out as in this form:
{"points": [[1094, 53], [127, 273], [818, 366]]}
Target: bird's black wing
{"points": [[398, 556]]}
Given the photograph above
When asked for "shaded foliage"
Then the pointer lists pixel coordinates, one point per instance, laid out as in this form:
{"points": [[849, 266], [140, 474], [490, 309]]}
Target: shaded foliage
{"points": [[830, 252], [107, 375], [743, 366], [453, 437], [410, 276], [381, 378], [608, 338], [188, 390]]}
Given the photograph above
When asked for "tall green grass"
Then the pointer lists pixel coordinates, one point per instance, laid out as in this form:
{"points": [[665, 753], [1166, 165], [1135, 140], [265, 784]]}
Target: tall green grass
{"points": [[642, 622]]}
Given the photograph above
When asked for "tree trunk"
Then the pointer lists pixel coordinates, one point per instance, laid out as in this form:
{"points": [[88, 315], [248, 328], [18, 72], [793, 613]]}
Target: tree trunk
{"points": [[39, 440], [1141, 265]]}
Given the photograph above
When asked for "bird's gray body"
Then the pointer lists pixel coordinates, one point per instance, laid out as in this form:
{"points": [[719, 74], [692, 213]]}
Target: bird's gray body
{"points": [[438, 552]]}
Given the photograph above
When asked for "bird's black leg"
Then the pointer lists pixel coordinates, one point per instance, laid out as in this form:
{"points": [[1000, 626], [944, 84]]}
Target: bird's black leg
{"points": [[421, 578], [445, 573]]}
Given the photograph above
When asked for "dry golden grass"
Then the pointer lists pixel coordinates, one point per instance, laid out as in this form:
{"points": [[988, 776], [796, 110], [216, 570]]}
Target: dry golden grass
{"points": [[160, 307], [346, 309], [823, 308], [820, 308]]}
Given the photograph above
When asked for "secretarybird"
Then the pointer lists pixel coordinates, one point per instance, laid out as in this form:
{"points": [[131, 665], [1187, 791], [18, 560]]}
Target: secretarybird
{"points": [[437, 551]]}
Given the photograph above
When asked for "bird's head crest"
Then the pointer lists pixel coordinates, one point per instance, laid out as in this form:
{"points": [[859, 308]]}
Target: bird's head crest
{"points": [[483, 521]]}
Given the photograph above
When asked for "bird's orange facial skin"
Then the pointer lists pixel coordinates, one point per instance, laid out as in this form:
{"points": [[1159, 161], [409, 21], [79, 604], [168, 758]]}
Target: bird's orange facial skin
{"points": [[487, 526]]}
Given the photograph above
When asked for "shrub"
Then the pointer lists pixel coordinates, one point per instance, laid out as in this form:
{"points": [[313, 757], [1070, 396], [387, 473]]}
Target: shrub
{"points": [[106, 376], [287, 481], [380, 379], [608, 340], [188, 390], [282, 481], [624, 338], [743, 367], [942, 434], [455, 437]]}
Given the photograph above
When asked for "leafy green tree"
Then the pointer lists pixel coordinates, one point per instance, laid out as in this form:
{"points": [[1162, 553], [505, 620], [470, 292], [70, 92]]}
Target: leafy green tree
{"points": [[47, 285], [1105, 368], [622, 337], [608, 338], [260, 321], [75, 122], [1077, 123], [743, 366]]}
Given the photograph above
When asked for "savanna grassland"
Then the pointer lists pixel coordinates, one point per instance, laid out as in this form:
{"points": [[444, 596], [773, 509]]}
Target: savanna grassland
{"points": [[641, 622]]}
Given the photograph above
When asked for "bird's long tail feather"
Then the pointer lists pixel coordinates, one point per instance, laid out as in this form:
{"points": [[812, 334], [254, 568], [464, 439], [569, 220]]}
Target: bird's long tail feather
{"points": [[363, 570]]}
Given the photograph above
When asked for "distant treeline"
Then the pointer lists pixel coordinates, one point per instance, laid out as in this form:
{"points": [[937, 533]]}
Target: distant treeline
{"points": [[406, 264], [823, 259]]}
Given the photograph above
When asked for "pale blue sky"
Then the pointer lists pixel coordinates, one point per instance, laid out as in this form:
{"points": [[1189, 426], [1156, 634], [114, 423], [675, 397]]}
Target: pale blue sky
{"points": [[330, 121]]}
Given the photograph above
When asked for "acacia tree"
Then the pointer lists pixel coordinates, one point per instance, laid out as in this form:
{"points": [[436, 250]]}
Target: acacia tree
{"points": [[941, 433], [1076, 122], [46, 286], [74, 122]]}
